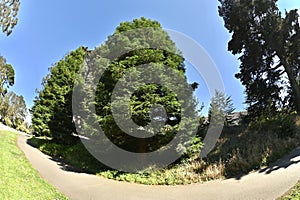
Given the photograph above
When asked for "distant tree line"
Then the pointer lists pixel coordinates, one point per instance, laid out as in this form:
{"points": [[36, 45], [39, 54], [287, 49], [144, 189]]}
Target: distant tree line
{"points": [[13, 109]]}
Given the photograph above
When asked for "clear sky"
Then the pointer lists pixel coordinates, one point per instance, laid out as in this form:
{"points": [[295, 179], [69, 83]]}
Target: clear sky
{"points": [[49, 29]]}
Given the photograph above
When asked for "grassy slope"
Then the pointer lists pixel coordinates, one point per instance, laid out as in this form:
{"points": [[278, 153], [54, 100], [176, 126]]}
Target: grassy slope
{"points": [[18, 179]]}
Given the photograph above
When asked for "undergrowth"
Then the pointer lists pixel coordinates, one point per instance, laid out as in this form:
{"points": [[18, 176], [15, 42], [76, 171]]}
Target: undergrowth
{"points": [[293, 194], [239, 150]]}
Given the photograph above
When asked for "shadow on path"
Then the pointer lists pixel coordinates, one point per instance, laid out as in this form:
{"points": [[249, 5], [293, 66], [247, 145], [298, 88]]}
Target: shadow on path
{"points": [[60, 162], [285, 162], [66, 167], [78, 161], [288, 160], [79, 186]]}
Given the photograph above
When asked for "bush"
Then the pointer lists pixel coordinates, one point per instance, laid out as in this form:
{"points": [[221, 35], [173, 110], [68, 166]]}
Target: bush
{"points": [[293, 194], [185, 172], [75, 155], [246, 148], [239, 150], [194, 150], [281, 124], [23, 128]]}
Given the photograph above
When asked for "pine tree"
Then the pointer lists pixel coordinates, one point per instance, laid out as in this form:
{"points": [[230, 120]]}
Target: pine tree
{"points": [[52, 111], [13, 110], [128, 51], [221, 110], [268, 45]]}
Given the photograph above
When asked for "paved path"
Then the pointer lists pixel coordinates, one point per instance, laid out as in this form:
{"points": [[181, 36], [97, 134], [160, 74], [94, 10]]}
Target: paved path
{"points": [[268, 183], [6, 128]]}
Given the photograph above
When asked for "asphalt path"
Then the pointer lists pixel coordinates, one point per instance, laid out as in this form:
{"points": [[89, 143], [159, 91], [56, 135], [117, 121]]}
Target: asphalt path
{"points": [[267, 183]]}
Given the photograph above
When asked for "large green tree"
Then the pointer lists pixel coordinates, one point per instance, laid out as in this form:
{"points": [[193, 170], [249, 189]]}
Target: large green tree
{"points": [[52, 111], [138, 45], [8, 15], [7, 76], [269, 47], [221, 110], [13, 110]]}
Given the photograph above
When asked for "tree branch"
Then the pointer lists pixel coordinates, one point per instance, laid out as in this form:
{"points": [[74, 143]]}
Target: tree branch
{"points": [[277, 66]]}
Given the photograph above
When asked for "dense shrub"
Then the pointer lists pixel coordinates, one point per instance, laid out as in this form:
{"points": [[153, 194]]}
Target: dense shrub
{"points": [[283, 125], [246, 148]]}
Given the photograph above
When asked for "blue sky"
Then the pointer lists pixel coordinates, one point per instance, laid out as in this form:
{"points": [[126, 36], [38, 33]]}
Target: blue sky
{"points": [[48, 30]]}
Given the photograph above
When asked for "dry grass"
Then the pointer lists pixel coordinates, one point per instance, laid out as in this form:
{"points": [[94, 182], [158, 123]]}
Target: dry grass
{"points": [[238, 151], [241, 150]]}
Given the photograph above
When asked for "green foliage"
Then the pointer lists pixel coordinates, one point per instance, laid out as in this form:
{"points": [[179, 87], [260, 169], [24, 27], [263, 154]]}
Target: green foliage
{"points": [[7, 76], [122, 55], [281, 124], [294, 194], [239, 150], [221, 110], [172, 176], [78, 158], [194, 150], [135, 46], [52, 111], [75, 155], [18, 179], [8, 15], [268, 45], [136, 24], [13, 111], [246, 148], [24, 127]]}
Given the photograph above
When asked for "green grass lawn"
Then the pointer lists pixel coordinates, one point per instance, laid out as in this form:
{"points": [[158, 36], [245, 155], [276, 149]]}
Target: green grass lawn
{"points": [[18, 179], [294, 193]]}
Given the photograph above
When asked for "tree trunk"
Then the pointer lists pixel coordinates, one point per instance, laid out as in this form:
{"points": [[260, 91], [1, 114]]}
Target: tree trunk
{"points": [[142, 145], [142, 150], [294, 84]]}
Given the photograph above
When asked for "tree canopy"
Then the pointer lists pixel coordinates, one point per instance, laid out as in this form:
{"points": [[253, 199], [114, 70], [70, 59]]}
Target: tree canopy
{"points": [[138, 50], [221, 110], [13, 111], [7, 76], [8, 15], [268, 44], [52, 111]]}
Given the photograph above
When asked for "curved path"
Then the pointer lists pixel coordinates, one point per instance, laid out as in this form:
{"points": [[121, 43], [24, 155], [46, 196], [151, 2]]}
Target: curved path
{"points": [[268, 183]]}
